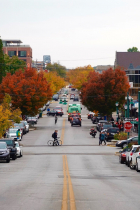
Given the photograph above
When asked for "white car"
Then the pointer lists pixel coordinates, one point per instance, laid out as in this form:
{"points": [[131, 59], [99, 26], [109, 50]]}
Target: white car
{"points": [[19, 149], [133, 161], [129, 154], [27, 126], [12, 134], [64, 99], [138, 164]]}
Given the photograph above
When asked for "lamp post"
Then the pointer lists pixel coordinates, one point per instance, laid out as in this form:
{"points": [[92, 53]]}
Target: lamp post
{"points": [[117, 104], [125, 106]]}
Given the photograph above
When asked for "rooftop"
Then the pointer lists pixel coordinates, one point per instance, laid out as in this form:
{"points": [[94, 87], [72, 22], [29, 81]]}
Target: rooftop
{"points": [[12, 41]]}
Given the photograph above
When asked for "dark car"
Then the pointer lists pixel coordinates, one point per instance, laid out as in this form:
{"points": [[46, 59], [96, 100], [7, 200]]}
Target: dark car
{"points": [[122, 156], [96, 119], [100, 124], [72, 89], [105, 126], [11, 146], [75, 121], [110, 133], [22, 126], [124, 143], [59, 110], [76, 98], [54, 112], [4, 152]]}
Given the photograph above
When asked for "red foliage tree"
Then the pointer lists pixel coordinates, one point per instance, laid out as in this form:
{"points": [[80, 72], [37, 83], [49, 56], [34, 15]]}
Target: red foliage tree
{"points": [[102, 91], [29, 90]]}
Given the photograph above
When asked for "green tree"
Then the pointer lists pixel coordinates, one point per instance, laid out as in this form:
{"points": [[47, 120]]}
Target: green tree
{"points": [[56, 67], [133, 49], [13, 64], [2, 66]]}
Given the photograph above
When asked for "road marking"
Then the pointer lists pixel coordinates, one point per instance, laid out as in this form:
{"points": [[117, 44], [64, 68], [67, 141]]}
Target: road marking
{"points": [[63, 131], [71, 193], [65, 193], [67, 184]]}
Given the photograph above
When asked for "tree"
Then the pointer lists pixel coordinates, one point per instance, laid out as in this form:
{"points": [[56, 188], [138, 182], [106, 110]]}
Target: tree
{"points": [[56, 82], [13, 64], [133, 49], [7, 114], [29, 90], [102, 91], [2, 63], [56, 67], [79, 75]]}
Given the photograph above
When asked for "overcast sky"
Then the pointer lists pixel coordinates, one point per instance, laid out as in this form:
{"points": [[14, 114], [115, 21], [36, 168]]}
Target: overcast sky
{"points": [[73, 32]]}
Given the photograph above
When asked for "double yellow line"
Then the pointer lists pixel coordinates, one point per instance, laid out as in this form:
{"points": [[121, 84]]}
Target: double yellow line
{"points": [[68, 194], [67, 184]]}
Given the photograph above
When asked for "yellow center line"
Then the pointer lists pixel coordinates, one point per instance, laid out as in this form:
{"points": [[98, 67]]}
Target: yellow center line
{"points": [[63, 131], [65, 193], [71, 193]]}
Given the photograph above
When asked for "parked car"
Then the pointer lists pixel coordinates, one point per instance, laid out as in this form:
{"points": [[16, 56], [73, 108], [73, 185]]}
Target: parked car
{"points": [[19, 149], [138, 164], [122, 156], [48, 103], [95, 119], [90, 115], [136, 153], [124, 143], [12, 133], [4, 152], [75, 121], [11, 146], [26, 125], [55, 97], [22, 126], [110, 133], [76, 98], [100, 123], [32, 120], [18, 127], [129, 153]]}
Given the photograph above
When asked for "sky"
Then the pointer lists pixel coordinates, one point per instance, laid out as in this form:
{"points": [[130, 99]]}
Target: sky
{"points": [[73, 32]]}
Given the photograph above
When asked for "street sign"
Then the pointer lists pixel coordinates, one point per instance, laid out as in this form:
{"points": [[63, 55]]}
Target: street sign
{"points": [[127, 130], [129, 119], [127, 125]]}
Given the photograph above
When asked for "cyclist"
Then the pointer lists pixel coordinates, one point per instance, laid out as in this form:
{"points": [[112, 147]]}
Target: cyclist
{"points": [[54, 135], [55, 118]]}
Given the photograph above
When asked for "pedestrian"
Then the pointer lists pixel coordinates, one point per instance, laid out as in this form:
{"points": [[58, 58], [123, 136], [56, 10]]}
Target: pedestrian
{"points": [[100, 142], [18, 133], [48, 109], [103, 138]]}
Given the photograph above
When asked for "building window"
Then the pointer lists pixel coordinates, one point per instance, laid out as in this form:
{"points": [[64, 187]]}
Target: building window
{"points": [[21, 53], [11, 53]]}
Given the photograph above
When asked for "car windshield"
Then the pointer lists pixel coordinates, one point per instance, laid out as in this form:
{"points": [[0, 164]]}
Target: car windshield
{"points": [[2, 146], [8, 142], [134, 149], [25, 122], [17, 144], [107, 126], [31, 118], [113, 130], [12, 130]]}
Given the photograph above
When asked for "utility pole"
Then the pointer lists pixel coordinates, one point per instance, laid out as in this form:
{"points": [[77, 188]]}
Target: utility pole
{"points": [[127, 105]]}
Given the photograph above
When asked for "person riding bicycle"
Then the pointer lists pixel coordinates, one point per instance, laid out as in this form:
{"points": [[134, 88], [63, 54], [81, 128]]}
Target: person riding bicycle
{"points": [[55, 118], [54, 135]]}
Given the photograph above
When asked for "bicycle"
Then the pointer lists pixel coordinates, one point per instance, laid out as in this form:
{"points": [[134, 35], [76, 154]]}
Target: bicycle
{"points": [[55, 142]]}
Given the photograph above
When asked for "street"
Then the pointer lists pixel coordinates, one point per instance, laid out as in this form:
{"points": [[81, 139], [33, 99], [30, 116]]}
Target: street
{"points": [[80, 174]]}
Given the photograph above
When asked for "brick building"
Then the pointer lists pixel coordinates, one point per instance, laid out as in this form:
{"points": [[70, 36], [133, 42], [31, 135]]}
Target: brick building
{"points": [[14, 47]]}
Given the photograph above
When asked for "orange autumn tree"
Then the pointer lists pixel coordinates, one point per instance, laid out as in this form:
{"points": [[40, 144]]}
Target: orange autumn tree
{"points": [[29, 90], [79, 75], [102, 91], [56, 82]]}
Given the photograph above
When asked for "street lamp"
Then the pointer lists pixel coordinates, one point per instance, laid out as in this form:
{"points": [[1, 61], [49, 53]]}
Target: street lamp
{"points": [[125, 106], [117, 104]]}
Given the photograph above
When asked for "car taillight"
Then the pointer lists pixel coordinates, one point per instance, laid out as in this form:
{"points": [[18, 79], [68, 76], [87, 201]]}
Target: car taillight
{"points": [[131, 153], [139, 153], [123, 155]]}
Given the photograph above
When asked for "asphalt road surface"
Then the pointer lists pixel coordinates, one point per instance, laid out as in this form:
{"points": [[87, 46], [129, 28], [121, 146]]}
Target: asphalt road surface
{"points": [[80, 174]]}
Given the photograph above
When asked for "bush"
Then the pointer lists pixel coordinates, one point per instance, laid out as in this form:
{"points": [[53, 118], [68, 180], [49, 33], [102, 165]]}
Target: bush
{"points": [[120, 136]]}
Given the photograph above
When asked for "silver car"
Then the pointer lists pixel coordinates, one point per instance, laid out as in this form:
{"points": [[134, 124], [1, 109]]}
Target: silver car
{"points": [[12, 134], [19, 149], [27, 125]]}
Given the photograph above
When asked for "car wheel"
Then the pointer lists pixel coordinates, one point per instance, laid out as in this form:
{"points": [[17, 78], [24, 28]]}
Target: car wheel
{"points": [[20, 154], [128, 162], [124, 145], [120, 160], [14, 158], [130, 165], [80, 125], [8, 160], [71, 124], [137, 168]]}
